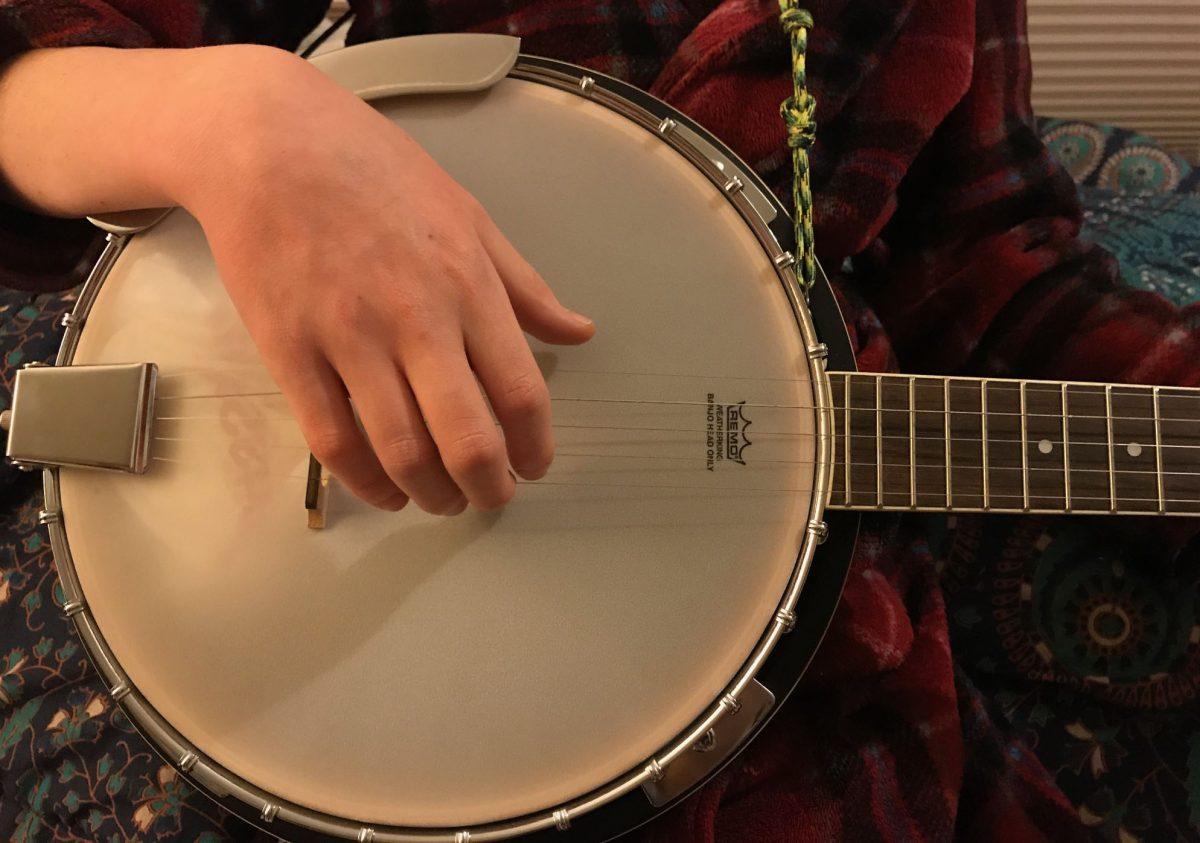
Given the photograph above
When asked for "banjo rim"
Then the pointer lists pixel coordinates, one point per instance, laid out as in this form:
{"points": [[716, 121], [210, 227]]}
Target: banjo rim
{"points": [[778, 659]]}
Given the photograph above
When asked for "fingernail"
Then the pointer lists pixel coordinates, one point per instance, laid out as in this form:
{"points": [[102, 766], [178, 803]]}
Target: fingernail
{"points": [[581, 320], [396, 502], [531, 472], [457, 508]]}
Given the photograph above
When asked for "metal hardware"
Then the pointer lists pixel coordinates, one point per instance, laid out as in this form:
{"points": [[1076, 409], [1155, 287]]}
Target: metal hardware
{"points": [[731, 703], [730, 168], [691, 767], [1024, 451], [83, 416], [733, 185], [946, 411], [367, 834], [846, 395], [586, 84], [462, 837], [912, 442], [785, 259], [706, 743], [562, 820], [654, 770], [786, 619], [47, 516], [68, 320], [188, 760], [119, 691], [819, 530], [1162, 502], [879, 440], [820, 351], [1112, 474], [667, 126], [983, 411], [1066, 452], [125, 223], [72, 607], [270, 809]]}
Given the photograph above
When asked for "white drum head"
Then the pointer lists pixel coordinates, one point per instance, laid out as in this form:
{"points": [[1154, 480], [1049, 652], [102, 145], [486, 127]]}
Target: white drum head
{"points": [[417, 671]]}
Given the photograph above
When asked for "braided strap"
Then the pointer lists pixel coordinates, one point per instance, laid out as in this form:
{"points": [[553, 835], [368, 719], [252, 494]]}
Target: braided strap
{"points": [[797, 111]]}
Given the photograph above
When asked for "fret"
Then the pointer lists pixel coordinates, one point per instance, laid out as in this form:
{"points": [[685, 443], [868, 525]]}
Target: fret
{"points": [[1088, 448], [1179, 424], [1135, 453], [864, 421], [1044, 458], [836, 390], [879, 440], [1066, 452], [930, 442], [946, 412], [983, 442], [1024, 451], [912, 442], [1002, 422], [966, 458], [1158, 451], [895, 478], [846, 435], [1112, 476]]}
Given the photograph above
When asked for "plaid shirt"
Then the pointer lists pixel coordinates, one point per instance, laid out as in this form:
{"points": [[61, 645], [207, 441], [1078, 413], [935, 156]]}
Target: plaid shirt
{"points": [[963, 236]]}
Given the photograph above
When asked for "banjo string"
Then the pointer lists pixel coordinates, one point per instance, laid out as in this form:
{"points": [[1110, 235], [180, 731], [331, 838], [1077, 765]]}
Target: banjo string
{"points": [[658, 402], [725, 490], [863, 507], [938, 467], [773, 433]]}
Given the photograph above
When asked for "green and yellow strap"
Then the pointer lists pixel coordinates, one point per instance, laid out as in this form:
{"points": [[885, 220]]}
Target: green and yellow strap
{"points": [[797, 111]]}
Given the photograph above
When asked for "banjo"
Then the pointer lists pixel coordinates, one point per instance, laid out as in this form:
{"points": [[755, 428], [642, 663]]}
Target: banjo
{"points": [[572, 666]]}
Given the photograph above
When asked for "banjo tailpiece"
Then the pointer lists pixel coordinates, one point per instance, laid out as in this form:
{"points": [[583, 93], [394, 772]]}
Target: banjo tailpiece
{"points": [[82, 417]]}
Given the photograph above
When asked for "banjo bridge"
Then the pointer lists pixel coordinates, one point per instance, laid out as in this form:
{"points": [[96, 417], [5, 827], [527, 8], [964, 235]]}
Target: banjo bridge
{"points": [[82, 417]]}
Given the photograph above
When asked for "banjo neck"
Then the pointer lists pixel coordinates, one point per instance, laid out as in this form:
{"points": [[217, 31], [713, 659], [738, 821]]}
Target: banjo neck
{"points": [[939, 444]]}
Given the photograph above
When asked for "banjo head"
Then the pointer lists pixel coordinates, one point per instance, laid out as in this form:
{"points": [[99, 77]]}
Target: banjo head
{"points": [[394, 675]]}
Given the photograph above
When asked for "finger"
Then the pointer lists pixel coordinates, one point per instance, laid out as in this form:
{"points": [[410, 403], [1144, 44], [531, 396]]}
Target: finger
{"points": [[398, 435], [467, 438], [538, 310], [500, 356], [318, 400]]}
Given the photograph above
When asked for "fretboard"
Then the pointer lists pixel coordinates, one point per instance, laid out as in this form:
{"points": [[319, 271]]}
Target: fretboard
{"points": [[931, 443]]}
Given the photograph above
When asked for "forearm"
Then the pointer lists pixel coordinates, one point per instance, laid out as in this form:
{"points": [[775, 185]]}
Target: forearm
{"points": [[87, 130]]}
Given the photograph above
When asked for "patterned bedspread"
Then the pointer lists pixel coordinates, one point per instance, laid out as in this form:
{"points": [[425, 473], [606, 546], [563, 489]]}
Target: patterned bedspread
{"points": [[1140, 202]]}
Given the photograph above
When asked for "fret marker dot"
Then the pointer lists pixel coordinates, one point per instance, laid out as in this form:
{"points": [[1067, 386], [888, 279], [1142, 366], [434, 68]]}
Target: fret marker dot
{"points": [[1133, 449], [1045, 446]]}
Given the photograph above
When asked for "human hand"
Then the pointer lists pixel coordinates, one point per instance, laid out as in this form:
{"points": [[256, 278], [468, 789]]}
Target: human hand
{"points": [[372, 282]]}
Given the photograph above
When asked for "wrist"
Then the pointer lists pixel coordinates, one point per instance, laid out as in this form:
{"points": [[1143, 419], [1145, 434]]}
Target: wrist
{"points": [[228, 119]]}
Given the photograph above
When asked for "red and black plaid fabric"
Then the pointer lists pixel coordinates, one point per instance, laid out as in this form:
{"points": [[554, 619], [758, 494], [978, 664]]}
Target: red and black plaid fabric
{"points": [[959, 236]]}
